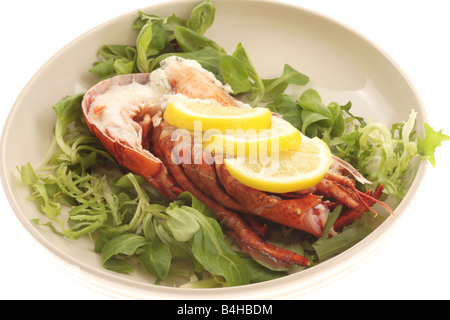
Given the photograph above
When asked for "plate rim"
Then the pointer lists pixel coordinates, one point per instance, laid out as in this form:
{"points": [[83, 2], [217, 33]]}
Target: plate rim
{"points": [[66, 258]]}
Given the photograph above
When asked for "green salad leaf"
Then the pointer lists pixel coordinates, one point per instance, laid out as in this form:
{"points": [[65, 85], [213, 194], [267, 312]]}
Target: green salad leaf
{"points": [[156, 258], [125, 244], [191, 41], [427, 146], [202, 17], [120, 59], [211, 249], [311, 116], [326, 247], [235, 74], [275, 87]]}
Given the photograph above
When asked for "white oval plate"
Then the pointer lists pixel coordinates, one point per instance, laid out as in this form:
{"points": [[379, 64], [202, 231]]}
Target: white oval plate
{"points": [[342, 66]]}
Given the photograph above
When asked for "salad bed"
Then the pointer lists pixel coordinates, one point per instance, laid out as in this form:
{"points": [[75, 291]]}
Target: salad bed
{"points": [[83, 191]]}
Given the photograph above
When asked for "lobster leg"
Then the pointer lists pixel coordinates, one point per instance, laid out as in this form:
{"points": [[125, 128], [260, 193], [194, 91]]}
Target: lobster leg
{"points": [[348, 217], [240, 230], [295, 213], [191, 172], [339, 192], [365, 200], [208, 177]]}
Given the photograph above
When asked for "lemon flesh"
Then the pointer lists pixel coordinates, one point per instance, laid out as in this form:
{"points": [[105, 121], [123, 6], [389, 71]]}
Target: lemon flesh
{"points": [[281, 136], [203, 115], [288, 171]]}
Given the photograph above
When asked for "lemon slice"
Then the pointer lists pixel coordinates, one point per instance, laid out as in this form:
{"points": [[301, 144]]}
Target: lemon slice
{"points": [[203, 115], [281, 136], [287, 171]]}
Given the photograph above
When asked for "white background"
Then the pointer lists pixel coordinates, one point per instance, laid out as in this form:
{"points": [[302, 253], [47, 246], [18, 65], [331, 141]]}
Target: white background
{"points": [[415, 263]]}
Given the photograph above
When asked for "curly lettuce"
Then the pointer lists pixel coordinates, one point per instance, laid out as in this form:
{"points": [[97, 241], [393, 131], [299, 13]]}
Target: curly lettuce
{"points": [[382, 155]]}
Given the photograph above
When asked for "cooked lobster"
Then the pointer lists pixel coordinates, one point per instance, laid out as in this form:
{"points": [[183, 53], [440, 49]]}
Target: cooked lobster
{"points": [[135, 133]]}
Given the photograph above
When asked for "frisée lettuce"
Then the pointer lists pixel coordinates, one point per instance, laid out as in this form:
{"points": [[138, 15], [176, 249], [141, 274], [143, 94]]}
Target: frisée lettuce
{"points": [[383, 155]]}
